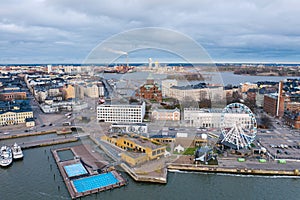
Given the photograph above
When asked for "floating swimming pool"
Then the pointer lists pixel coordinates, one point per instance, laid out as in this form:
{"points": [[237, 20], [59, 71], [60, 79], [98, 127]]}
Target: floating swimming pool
{"points": [[65, 155], [75, 170], [95, 182]]}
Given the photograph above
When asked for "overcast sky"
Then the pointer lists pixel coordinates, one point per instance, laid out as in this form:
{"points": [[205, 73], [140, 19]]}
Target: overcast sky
{"points": [[65, 31]]}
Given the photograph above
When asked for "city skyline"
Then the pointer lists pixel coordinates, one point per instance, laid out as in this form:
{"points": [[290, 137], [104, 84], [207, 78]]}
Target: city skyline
{"points": [[40, 31]]}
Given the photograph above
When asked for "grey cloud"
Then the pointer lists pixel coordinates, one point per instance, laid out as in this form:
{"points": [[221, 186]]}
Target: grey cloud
{"points": [[222, 27]]}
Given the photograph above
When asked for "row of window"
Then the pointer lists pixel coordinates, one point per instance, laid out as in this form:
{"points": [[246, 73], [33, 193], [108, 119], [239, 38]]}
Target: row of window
{"points": [[119, 110], [157, 152], [117, 114]]}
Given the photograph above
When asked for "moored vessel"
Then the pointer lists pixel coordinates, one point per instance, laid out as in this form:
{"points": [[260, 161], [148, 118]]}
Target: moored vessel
{"points": [[6, 157], [17, 151]]}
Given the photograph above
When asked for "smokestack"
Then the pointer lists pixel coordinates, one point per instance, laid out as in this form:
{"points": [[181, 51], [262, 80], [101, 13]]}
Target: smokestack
{"points": [[280, 101], [150, 62]]}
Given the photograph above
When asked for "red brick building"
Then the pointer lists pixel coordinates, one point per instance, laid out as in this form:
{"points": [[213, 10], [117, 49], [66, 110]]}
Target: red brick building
{"points": [[274, 103], [150, 91], [251, 96], [12, 95], [293, 106], [292, 120], [270, 104]]}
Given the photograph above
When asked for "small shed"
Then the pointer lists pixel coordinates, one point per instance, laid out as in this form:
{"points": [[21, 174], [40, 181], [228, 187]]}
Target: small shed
{"points": [[29, 122], [179, 148]]}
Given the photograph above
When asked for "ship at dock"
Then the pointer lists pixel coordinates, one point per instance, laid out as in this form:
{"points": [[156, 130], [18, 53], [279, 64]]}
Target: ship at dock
{"points": [[17, 152], [6, 156]]}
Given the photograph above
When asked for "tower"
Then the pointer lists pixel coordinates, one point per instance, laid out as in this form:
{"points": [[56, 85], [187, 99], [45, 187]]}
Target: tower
{"points": [[49, 69], [280, 101], [150, 62]]}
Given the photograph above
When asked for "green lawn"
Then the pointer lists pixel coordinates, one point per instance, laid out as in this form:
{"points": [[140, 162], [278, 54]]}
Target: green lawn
{"points": [[190, 151]]}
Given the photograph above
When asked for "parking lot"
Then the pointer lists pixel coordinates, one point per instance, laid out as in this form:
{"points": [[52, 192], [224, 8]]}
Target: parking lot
{"points": [[282, 144]]}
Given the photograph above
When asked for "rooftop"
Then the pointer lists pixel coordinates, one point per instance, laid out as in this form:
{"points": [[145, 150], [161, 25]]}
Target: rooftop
{"points": [[191, 87]]}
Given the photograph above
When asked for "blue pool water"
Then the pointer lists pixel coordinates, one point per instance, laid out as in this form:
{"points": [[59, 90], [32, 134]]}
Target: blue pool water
{"points": [[94, 182], [75, 170]]}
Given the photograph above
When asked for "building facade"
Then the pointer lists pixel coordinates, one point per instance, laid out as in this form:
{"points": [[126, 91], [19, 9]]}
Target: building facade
{"points": [[91, 90], [273, 105], [246, 86], [15, 117], [121, 113], [197, 92], [189, 92], [166, 115], [68, 92], [293, 106], [12, 95], [13, 113], [137, 128], [166, 85], [292, 119], [207, 118]]}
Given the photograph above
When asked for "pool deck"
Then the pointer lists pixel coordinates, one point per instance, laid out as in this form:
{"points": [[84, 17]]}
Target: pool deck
{"points": [[88, 160]]}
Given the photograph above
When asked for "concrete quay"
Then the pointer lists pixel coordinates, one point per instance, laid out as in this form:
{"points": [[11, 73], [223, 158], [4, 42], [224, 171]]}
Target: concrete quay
{"points": [[235, 170], [3, 137], [145, 178], [48, 142]]}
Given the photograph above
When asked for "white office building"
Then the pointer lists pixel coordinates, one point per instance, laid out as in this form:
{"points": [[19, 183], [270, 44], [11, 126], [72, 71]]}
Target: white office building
{"points": [[211, 118], [121, 113]]}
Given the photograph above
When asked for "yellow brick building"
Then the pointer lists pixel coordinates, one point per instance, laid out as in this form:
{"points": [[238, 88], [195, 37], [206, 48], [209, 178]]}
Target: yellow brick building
{"points": [[148, 149], [134, 159]]}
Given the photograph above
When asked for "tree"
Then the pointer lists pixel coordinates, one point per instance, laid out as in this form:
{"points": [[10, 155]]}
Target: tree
{"points": [[205, 103]]}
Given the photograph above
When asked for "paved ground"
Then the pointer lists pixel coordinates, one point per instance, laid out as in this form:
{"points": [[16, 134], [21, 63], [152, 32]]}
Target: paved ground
{"points": [[281, 144]]}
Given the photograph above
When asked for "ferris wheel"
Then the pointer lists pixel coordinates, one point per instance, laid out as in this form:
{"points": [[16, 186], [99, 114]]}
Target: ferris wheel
{"points": [[238, 126]]}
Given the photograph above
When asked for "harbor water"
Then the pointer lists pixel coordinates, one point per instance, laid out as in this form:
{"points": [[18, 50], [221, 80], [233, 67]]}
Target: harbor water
{"points": [[224, 78], [37, 177]]}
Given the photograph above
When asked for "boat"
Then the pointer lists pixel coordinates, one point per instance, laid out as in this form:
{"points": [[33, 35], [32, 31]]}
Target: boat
{"points": [[6, 157], [17, 151]]}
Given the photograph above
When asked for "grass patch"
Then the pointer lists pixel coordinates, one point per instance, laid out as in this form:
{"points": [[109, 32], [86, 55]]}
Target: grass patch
{"points": [[190, 151], [168, 148]]}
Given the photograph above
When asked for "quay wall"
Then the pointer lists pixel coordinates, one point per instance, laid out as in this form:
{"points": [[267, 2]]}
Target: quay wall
{"points": [[245, 171], [48, 142], [143, 178], [3, 137]]}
